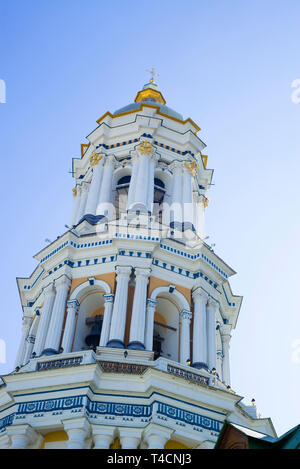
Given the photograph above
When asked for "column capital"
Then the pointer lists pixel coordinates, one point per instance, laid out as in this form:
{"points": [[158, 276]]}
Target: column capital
{"points": [[145, 148], [110, 160], [185, 315], [142, 273], [84, 187], [123, 271], [199, 294], [157, 436], [62, 281], [176, 166], [78, 430], [103, 436], [49, 290], [26, 322], [21, 435], [212, 304], [73, 304], [151, 303], [109, 298]]}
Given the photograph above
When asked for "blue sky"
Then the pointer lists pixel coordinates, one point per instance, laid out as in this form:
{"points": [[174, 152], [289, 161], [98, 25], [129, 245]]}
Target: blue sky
{"points": [[228, 65]]}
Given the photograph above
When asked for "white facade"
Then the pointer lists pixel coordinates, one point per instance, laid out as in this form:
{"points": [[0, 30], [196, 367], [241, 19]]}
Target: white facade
{"points": [[128, 315]]}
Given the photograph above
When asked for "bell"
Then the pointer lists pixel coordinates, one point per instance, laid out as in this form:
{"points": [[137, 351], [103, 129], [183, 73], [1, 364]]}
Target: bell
{"points": [[93, 339]]}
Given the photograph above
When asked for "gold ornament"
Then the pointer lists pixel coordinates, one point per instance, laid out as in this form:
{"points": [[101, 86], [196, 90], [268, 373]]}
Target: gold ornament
{"points": [[74, 190], [191, 166], [146, 148], [205, 202], [95, 158]]}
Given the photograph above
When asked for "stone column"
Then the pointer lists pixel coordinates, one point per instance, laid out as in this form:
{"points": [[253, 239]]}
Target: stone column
{"points": [[225, 336], [133, 180], [151, 305], [130, 437], [108, 306], [199, 329], [84, 193], [219, 364], [21, 436], [185, 319], [72, 312], [187, 197], [105, 206], [22, 347], [103, 436], [93, 196], [76, 203], [211, 310], [138, 317], [49, 296], [141, 194], [156, 437], [78, 430], [150, 197], [118, 321], [176, 204], [62, 285]]}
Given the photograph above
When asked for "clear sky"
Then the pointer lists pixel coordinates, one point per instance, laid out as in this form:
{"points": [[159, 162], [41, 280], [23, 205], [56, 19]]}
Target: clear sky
{"points": [[229, 65]]}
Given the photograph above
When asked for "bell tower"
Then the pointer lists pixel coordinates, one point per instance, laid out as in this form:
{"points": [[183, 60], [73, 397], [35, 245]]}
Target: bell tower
{"points": [[128, 316]]}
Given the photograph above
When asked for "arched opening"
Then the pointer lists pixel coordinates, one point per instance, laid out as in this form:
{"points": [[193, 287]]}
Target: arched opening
{"points": [[121, 194], [166, 329], [159, 195], [89, 321]]}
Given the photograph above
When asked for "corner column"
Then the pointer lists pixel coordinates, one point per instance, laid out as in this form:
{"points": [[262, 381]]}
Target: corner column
{"points": [[76, 203], [151, 305], [49, 296], [105, 206], [21, 436], [199, 330], [108, 306], [25, 331], [72, 312], [118, 321], [211, 310], [187, 197], [84, 188], [138, 318], [176, 209], [185, 319], [225, 336], [93, 196], [62, 285]]}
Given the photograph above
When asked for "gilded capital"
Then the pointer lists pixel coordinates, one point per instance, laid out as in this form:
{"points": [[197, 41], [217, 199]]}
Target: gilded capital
{"points": [[146, 148], [191, 167], [95, 158]]}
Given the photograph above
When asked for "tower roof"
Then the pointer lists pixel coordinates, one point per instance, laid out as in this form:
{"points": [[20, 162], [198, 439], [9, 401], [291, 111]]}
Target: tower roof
{"points": [[150, 94]]}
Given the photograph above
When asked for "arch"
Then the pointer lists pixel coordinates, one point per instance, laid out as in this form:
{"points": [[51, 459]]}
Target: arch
{"points": [[90, 316], [171, 292], [86, 287], [121, 183]]}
